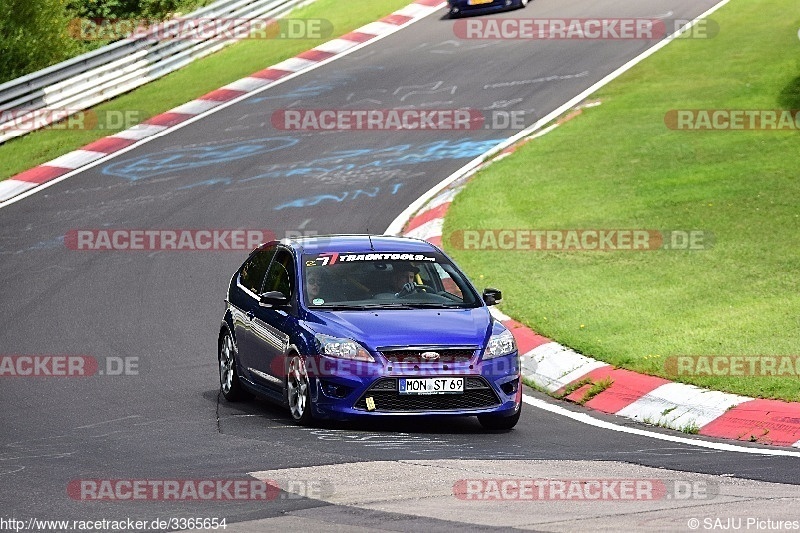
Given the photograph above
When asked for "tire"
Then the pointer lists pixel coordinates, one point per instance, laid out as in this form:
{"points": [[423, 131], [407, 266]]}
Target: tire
{"points": [[523, 3], [298, 391], [500, 422], [229, 384]]}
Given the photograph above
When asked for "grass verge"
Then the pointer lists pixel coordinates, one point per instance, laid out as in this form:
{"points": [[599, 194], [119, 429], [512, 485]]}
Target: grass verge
{"points": [[232, 63], [619, 166]]}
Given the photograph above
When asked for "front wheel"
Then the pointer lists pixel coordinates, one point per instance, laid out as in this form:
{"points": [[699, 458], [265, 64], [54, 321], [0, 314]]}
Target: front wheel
{"points": [[500, 422], [229, 383], [298, 390]]}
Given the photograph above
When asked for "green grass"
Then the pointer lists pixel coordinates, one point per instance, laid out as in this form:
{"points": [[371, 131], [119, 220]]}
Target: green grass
{"points": [[619, 166], [596, 388], [232, 63], [572, 387], [690, 428]]}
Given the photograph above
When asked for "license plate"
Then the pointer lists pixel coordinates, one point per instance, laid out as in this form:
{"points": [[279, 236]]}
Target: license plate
{"points": [[431, 385], [479, 2]]}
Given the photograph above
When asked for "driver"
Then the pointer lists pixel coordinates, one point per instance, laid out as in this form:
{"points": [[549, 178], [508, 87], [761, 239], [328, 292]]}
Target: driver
{"points": [[316, 283], [403, 279]]}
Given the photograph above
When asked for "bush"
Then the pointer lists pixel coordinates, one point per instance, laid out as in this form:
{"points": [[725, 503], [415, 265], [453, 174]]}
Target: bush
{"points": [[36, 33], [94, 9], [34, 36], [149, 9]]}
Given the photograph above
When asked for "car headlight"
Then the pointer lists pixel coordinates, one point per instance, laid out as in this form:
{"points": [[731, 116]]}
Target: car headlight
{"points": [[342, 348], [500, 344]]}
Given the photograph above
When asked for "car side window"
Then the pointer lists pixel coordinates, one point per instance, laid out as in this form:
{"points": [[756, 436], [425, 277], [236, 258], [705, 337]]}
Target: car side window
{"points": [[447, 282], [252, 274], [281, 274]]}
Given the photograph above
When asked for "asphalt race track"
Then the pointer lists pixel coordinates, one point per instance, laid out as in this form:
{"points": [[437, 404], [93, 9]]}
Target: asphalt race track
{"points": [[233, 169]]}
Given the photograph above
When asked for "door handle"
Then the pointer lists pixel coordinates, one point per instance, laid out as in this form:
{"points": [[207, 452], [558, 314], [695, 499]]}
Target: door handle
{"points": [[250, 315]]}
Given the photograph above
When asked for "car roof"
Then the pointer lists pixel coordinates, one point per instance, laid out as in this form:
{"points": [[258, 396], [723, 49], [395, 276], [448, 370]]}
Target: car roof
{"points": [[358, 244]]}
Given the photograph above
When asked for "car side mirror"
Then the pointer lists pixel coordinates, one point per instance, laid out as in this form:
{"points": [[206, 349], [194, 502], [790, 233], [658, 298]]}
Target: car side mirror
{"points": [[273, 298], [492, 296]]}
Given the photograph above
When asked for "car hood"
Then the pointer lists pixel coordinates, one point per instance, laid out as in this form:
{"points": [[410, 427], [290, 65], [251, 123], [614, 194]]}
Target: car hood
{"points": [[413, 327]]}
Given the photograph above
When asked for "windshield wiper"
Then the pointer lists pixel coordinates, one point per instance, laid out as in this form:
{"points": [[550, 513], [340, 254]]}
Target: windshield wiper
{"points": [[334, 307], [387, 306], [436, 305]]}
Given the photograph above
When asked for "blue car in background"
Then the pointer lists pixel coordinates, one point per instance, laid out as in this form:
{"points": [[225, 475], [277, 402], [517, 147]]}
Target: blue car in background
{"points": [[357, 326], [481, 7]]}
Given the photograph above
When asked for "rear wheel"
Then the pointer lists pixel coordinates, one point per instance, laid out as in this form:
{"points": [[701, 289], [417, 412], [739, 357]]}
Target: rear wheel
{"points": [[298, 390], [229, 383], [500, 422]]}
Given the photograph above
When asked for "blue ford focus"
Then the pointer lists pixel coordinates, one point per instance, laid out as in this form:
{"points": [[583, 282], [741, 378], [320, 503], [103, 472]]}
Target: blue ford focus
{"points": [[480, 7], [357, 326]]}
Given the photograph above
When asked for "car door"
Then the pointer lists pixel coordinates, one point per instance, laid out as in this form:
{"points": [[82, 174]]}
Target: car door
{"points": [[270, 325], [244, 304]]}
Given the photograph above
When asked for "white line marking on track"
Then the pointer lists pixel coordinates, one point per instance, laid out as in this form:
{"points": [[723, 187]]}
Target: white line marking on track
{"points": [[584, 418]]}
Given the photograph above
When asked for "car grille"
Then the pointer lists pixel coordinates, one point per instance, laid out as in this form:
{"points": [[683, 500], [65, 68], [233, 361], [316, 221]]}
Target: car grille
{"points": [[477, 395], [448, 355]]}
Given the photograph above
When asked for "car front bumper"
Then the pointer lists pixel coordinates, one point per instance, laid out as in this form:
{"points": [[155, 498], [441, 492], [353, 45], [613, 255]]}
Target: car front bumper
{"points": [[491, 387], [463, 7]]}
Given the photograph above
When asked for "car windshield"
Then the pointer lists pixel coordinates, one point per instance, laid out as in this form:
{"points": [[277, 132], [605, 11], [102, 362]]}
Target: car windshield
{"points": [[384, 280]]}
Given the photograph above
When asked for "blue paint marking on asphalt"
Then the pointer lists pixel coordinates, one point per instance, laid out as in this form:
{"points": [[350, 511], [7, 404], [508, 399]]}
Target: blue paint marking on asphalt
{"points": [[302, 171], [301, 92], [338, 197], [314, 88], [57, 242], [338, 161], [172, 160], [395, 156]]}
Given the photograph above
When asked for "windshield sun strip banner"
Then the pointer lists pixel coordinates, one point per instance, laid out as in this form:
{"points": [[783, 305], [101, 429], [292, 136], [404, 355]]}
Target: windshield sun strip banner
{"points": [[332, 258]]}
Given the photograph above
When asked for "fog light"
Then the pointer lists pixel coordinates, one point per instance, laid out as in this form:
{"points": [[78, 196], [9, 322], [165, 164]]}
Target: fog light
{"points": [[332, 390], [510, 387]]}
